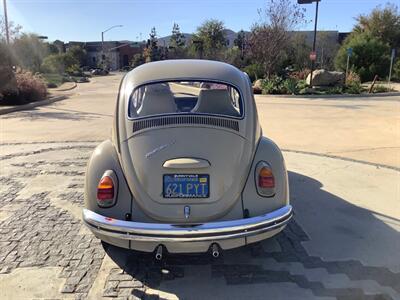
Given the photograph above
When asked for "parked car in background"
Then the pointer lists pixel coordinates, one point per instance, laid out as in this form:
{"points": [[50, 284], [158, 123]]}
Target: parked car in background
{"points": [[187, 168]]}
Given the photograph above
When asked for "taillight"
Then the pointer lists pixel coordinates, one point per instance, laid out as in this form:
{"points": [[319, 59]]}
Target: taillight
{"points": [[106, 190], [265, 181]]}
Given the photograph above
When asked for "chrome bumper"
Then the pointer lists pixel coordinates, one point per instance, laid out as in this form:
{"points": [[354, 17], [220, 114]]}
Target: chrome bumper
{"points": [[213, 231]]}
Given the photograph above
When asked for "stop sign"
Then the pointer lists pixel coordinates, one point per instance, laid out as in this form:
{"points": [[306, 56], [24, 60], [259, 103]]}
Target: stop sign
{"points": [[313, 56]]}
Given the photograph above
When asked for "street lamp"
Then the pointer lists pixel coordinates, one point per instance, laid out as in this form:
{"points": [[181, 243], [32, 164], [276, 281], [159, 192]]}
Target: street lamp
{"points": [[313, 55], [102, 40], [6, 21]]}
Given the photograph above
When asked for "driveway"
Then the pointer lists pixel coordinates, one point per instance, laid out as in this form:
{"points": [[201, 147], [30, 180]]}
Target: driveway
{"points": [[343, 162]]}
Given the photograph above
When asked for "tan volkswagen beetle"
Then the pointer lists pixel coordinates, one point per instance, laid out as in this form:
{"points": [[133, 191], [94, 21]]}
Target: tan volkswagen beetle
{"points": [[187, 168]]}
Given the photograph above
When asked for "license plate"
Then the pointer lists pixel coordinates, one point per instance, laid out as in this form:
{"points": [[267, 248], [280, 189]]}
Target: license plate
{"points": [[186, 186]]}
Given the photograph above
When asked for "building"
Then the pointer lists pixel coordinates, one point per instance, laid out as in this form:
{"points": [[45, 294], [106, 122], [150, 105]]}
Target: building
{"points": [[116, 54]]}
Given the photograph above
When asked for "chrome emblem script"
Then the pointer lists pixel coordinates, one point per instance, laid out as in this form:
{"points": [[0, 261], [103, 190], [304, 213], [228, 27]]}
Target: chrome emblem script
{"points": [[186, 211]]}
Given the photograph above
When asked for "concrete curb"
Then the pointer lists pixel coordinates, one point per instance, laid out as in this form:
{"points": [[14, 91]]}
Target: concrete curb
{"points": [[8, 110], [344, 96]]}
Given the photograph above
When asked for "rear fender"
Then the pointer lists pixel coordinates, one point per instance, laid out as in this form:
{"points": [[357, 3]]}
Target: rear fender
{"points": [[269, 152], [104, 158]]}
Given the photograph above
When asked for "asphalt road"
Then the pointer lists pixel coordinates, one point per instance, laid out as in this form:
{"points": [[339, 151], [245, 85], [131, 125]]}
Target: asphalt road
{"points": [[344, 242]]}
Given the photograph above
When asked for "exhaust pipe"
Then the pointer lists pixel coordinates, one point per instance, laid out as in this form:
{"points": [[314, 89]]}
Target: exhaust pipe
{"points": [[215, 250], [159, 251]]}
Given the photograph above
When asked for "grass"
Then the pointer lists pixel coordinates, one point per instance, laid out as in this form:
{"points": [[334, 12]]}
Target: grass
{"points": [[54, 80]]}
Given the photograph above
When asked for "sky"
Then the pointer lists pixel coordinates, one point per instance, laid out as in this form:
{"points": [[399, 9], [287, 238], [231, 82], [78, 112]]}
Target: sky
{"points": [[84, 20]]}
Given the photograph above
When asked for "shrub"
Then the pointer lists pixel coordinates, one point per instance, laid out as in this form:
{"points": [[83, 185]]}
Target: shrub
{"points": [[254, 71], [381, 89], [334, 90], [29, 88], [300, 75], [353, 83], [396, 70], [74, 70], [272, 85], [276, 85], [302, 84], [370, 56], [59, 63], [290, 86]]}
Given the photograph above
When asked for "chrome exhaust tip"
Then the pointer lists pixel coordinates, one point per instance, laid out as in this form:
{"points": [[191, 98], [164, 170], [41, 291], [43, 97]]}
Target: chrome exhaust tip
{"points": [[159, 252], [215, 250]]}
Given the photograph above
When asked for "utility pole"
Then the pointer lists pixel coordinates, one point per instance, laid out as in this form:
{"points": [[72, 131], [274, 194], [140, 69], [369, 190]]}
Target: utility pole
{"points": [[102, 42], [391, 65], [314, 42], [313, 55], [6, 21]]}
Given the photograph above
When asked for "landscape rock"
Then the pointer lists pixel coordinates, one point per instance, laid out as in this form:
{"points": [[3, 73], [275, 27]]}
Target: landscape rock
{"points": [[326, 78], [257, 86]]}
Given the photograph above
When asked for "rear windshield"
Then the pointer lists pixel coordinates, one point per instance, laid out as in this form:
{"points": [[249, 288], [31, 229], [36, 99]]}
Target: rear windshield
{"points": [[185, 97]]}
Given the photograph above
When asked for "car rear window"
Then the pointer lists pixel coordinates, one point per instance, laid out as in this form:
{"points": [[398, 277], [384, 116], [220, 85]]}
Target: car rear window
{"points": [[185, 97]]}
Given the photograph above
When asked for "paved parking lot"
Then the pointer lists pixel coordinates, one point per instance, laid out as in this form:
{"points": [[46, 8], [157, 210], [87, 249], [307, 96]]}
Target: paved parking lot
{"points": [[343, 243]]}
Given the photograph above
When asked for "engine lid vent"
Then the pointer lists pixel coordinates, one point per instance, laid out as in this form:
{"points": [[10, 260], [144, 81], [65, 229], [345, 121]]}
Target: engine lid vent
{"points": [[178, 120]]}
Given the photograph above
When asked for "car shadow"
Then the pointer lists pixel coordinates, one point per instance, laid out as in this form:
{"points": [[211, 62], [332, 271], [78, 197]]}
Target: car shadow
{"points": [[37, 114], [269, 262]]}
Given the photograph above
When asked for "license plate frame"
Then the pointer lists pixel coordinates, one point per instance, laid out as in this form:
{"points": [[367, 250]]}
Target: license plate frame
{"points": [[200, 186]]}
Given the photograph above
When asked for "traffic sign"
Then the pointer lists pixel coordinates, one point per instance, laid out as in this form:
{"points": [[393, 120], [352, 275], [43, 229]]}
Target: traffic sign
{"points": [[313, 56], [306, 1], [349, 51]]}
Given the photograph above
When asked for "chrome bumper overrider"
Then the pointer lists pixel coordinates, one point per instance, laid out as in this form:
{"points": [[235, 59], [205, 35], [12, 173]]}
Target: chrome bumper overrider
{"points": [[213, 231]]}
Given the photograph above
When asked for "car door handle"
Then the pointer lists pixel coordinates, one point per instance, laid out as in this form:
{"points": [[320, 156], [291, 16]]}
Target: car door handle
{"points": [[186, 163]]}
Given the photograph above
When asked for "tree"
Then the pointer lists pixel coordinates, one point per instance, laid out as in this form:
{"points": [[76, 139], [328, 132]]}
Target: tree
{"points": [[370, 56], [298, 51], [78, 53], [327, 48], [240, 40], [7, 76], [59, 63], [269, 38], [176, 43], [137, 60], [29, 51], [177, 39], [210, 40], [371, 40], [152, 51], [382, 23], [13, 30], [52, 49]]}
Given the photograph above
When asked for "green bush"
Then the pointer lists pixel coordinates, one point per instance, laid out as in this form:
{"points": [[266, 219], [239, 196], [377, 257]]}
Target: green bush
{"points": [[396, 70], [254, 71], [276, 85], [273, 86], [301, 84], [381, 89], [353, 83], [334, 90], [59, 63], [290, 86], [371, 56]]}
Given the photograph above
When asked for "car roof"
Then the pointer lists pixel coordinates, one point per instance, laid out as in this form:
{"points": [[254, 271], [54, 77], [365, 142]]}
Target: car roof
{"points": [[186, 69]]}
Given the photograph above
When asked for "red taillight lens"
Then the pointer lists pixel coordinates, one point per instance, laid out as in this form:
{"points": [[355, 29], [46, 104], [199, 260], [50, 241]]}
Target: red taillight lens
{"points": [[266, 178], [105, 191]]}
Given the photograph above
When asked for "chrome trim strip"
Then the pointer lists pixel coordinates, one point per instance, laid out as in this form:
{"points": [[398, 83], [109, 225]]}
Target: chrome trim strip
{"points": [[154, 232]]}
